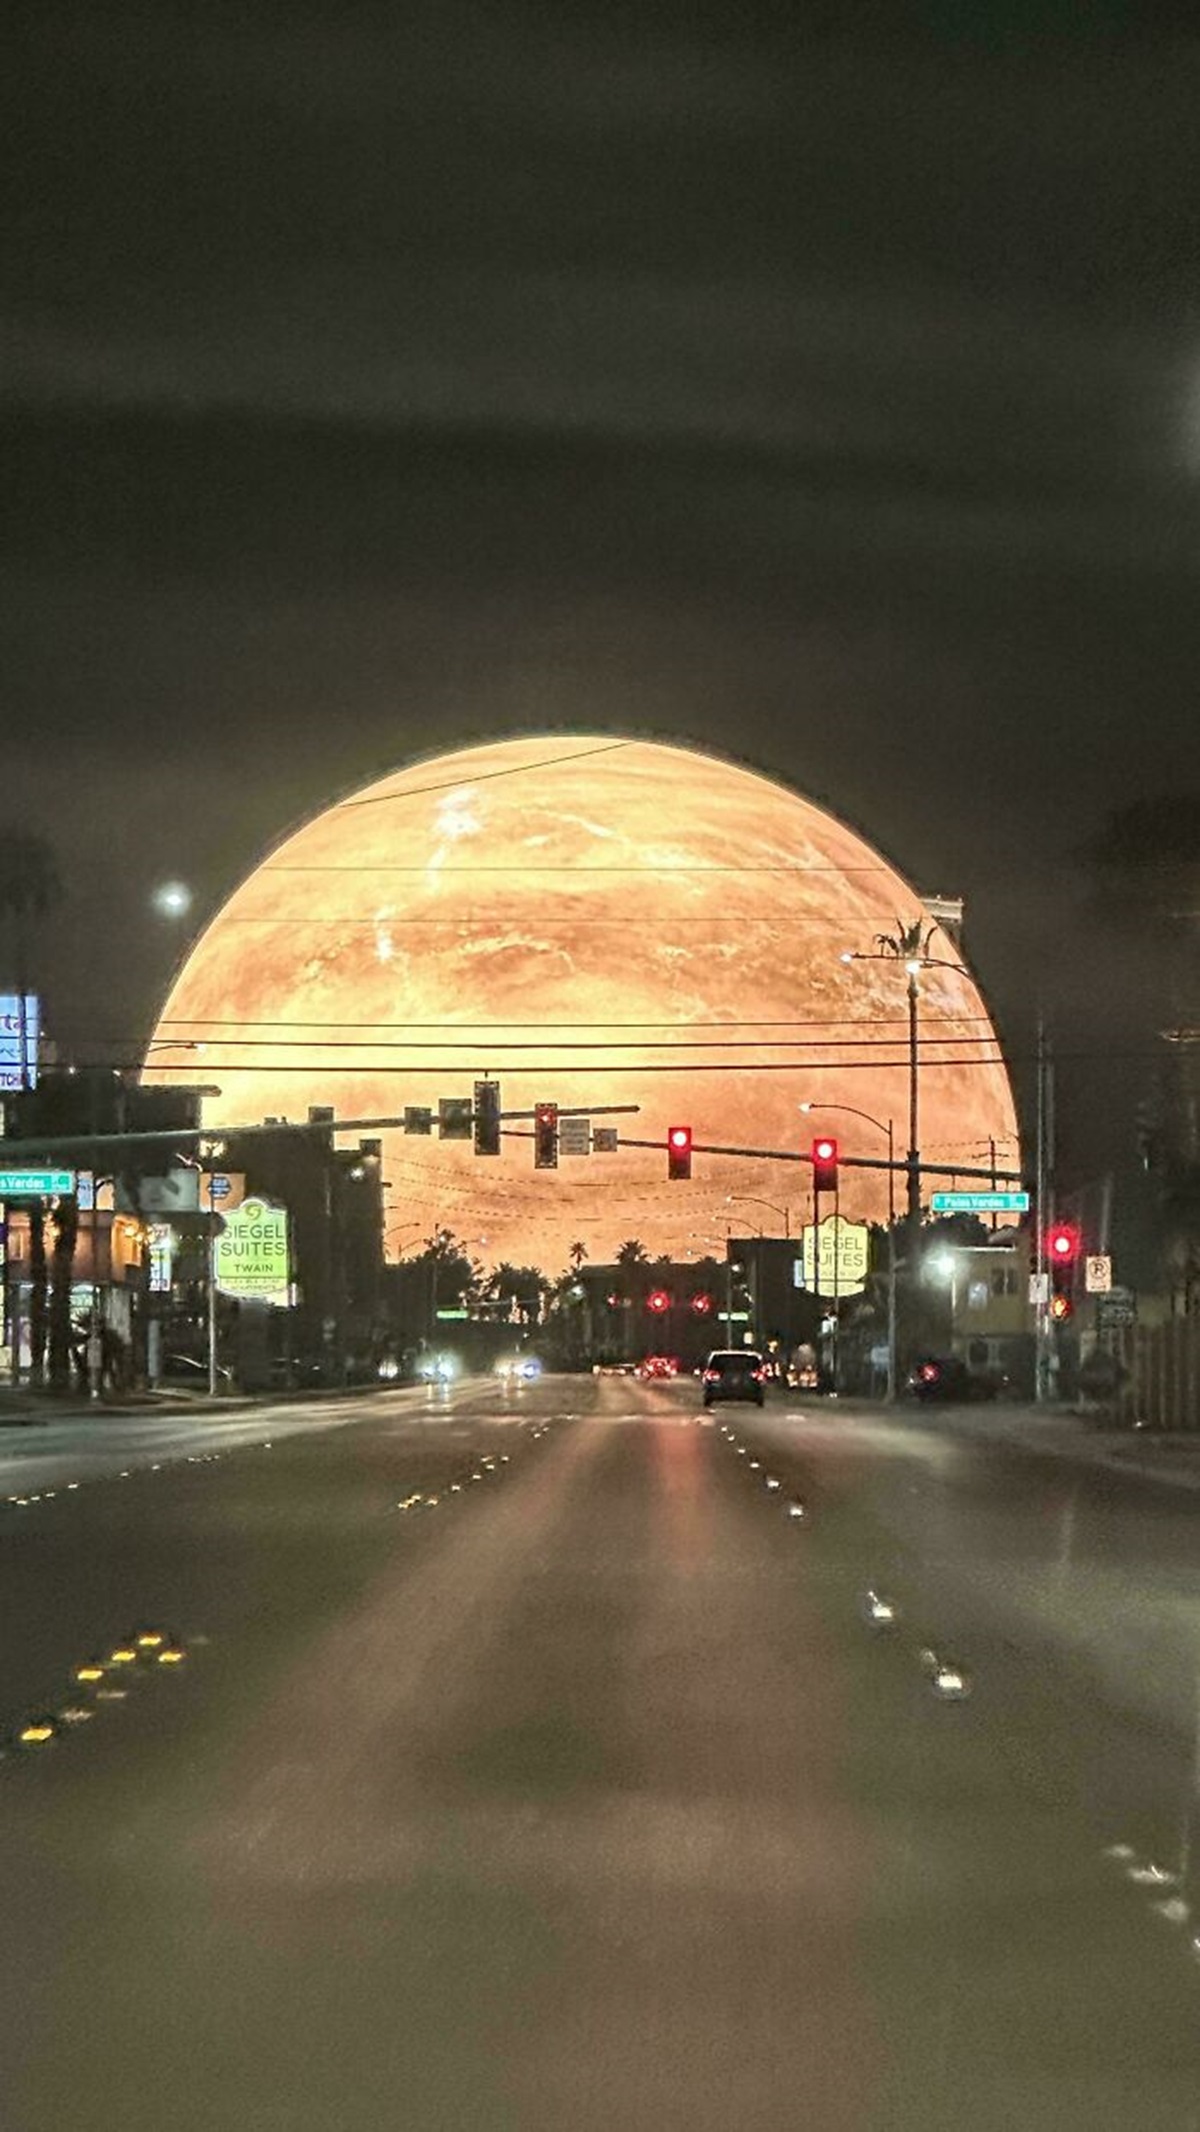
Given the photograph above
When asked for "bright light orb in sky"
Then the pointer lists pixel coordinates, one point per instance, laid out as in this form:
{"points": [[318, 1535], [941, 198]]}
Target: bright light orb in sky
{"points": [[592, 921], [172, 899]]}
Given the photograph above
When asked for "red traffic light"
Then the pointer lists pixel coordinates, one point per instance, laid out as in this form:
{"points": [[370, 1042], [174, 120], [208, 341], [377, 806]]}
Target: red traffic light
{"points": [[658, 1301], [679, 1151], [702, 1305], [1062, 1244], [825, 1163]]}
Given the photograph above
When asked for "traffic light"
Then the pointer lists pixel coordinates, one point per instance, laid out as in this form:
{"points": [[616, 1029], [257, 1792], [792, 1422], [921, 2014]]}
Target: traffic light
{"points": [[454, 1118], [825, 1164], [487, 1117], [1062, 1244], [679, 1152], [658, 1301], [545, 1136], [702, 1305]]}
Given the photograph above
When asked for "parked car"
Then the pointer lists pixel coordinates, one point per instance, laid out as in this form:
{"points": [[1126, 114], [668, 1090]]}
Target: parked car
{"points": [[947, 1377], [733, 1373], [193, 1370]]}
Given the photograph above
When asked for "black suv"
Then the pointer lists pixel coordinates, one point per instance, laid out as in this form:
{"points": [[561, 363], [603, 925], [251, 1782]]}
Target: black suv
{"points": [[733, 1373]]}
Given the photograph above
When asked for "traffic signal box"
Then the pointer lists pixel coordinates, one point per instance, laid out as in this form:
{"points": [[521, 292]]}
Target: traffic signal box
{"points": [[545, 1136], [825, 1164], [1063, 1245], [679, 1152], [487, 1117]]}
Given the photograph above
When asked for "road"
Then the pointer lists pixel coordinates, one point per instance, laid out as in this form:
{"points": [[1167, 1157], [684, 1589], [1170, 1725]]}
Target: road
{"points": [[527, 1764]]}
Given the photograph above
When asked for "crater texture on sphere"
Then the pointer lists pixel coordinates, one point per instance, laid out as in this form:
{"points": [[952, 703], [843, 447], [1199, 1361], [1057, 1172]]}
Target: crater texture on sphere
{"points": [[573, 916]]}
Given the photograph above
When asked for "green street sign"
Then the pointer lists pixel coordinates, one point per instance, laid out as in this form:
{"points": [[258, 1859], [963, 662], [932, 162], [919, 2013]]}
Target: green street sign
{"points": [[36, 1184], [980, 1203], [451, 1313]]}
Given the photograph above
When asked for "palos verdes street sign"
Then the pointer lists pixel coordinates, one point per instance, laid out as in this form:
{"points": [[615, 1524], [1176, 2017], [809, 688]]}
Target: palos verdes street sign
{"points": [[36, 1184], [251, 1256], [979, 1202]]}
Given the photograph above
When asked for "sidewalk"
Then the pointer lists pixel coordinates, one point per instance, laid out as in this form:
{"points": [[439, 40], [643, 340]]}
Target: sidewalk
{"points": [[1061, 1432], [20, 1407]]}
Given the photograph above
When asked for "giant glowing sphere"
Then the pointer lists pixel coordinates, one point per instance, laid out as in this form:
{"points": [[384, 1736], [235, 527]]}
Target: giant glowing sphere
{"points": [[593, 922]]}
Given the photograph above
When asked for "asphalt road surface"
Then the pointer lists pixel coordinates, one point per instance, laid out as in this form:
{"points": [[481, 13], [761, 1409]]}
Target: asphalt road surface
{"points": [[520, 1759]]}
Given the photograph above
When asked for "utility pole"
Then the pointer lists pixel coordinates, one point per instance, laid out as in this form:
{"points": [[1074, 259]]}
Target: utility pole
{"points": [[914, 1132], [1043, 1213]]}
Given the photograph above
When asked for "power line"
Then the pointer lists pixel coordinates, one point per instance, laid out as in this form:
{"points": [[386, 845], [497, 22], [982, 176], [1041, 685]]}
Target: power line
{"points": [[464, 784], [457, 1067], [816, 1021], [492, 1045], [662, 872]]}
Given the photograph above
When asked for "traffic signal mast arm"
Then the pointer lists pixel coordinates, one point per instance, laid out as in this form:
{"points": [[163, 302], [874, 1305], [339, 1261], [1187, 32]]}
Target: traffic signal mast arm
{"points": [[182, 1136]]}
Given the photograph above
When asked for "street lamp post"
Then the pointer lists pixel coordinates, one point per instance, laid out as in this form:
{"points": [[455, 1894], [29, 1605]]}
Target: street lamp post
{"points": [[910, 946], [750, 1199], [883, 1126]]}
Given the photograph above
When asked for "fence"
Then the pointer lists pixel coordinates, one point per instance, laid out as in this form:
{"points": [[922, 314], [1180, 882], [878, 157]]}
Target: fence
{"points": [[1161, 1383]]}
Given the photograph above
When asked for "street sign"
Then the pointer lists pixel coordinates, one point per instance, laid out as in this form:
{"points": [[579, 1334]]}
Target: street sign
{"points": [[36, 1184], [574, 1136], [1116, 1306], [1039, 1288], [450, 1313], [841, 1266], [604, 1139], [980, 1203], [163, 1245], [1097, 1274], [251, 1256], [19, 1033]]}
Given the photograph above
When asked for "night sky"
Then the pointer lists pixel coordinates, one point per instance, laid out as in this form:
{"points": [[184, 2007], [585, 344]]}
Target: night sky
{"points": [[374, 382]]}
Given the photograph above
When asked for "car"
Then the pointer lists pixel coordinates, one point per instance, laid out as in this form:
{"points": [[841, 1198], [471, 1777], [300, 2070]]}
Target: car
{"points": [[947, 1377], [733, 1373], [193, 1370], [658, 1366], [517, 1369]]}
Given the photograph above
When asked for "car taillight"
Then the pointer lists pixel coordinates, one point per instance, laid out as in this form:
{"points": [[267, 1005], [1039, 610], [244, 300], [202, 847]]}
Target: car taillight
{"points": [[929, 1373], [758, 1375], [711, 1376]]}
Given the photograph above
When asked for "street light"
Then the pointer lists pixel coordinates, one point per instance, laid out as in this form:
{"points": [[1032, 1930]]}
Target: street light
{"points": [[910, 946], [882, 1126], [751, 1199]]}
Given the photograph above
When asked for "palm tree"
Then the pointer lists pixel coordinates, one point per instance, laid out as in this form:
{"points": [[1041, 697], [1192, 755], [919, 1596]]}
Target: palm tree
{"points": [[909, 943], [633, 1253], [29, 888], [577, 1254]]}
